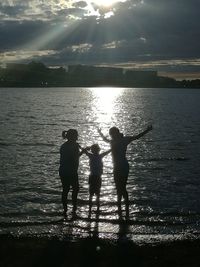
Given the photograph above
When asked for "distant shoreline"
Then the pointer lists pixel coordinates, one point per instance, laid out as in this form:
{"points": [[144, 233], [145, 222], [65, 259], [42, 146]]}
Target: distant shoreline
{"points": [[98, 86], [36, 74]]}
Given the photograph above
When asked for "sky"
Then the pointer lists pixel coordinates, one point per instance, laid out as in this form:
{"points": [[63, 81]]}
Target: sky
{"points": [[162, 35]]}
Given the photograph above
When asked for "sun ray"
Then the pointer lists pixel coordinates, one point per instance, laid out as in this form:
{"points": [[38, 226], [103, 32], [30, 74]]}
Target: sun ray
{"points": [[53, 35]]}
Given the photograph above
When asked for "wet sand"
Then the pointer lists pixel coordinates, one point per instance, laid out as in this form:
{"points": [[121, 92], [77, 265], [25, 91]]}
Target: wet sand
{"points": [[44, 251]]}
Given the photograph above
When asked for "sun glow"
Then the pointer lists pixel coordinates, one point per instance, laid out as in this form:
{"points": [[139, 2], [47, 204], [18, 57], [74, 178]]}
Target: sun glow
{"points": [[102, 8], [105, 3]]}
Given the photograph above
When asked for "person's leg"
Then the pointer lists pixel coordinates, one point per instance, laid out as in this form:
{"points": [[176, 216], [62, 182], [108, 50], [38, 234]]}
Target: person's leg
{"points": [[74, 199], [124, 190], [119, 198], [119, 202], [90, 204], [75, 190], [91, 191], [98, 201], [119, 191], [65, 192], [126, 199], [98, 189]]}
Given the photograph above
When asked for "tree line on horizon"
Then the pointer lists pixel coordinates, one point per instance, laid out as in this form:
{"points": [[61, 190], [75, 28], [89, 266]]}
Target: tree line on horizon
{"points": [[37, 74]]}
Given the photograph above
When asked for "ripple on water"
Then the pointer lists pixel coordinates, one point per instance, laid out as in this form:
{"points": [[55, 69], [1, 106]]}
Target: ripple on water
{"points": [[163, 184]]}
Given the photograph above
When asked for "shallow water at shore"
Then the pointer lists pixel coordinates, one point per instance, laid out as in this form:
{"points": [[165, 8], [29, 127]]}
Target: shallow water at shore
{"points": [[163, 185]]}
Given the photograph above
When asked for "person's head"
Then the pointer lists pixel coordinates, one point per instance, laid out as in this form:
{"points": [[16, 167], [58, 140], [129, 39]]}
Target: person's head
{"points": [[70, 135], [114, 132], [95, 149]]}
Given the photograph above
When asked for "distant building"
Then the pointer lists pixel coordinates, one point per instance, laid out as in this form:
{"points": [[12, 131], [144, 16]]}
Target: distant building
{"points": [[99, 73], [141, 74], [140, 78]]}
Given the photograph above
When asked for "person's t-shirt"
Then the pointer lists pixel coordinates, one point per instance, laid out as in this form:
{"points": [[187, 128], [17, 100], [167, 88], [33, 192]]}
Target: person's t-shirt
{"points": [[96, 164], [119, 148], [69, 158]]}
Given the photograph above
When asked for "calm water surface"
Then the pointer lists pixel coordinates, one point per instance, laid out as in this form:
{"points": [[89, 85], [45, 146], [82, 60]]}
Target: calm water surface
{"points": [[164, 180]]}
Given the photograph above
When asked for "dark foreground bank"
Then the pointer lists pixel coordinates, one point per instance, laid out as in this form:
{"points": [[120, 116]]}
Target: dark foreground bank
{"points": [[34, 251]]}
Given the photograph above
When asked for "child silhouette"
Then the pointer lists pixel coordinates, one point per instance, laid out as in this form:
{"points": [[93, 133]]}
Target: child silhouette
{"points": [[96, 171]]}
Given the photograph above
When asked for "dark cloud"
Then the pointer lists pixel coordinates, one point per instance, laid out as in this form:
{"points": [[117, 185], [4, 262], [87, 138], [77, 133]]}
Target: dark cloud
{"points": [[15, 34], [7, 10], [80, 4]]}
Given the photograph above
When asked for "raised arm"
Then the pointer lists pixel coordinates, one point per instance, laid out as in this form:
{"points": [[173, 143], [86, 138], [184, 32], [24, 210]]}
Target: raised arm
{"points": [[105, 139], [105, 153], [135, 137]]}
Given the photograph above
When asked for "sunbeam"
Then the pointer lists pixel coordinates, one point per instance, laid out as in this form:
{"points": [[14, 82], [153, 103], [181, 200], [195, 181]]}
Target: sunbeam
{"points": [[52, 38]]}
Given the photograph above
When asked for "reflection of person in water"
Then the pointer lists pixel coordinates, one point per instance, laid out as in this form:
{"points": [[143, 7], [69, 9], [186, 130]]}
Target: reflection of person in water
{"points": [[68, 171], [96, 170], [119, 145]]}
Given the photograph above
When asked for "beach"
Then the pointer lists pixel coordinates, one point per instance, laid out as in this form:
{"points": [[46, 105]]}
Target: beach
{"points": [[45, 251]]}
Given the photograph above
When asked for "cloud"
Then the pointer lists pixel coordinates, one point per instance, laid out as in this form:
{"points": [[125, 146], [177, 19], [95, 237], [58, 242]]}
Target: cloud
{"points": [[148, 30], [23, 56], [38, 10]]}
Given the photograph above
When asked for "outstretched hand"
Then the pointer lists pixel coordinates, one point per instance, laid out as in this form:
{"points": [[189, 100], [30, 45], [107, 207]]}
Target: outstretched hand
{"points": [[100, 132], [86, 149], [103, 136]]}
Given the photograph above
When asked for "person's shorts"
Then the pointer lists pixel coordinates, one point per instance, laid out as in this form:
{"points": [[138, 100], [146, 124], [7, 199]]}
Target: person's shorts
{"points": [[70, 180]]}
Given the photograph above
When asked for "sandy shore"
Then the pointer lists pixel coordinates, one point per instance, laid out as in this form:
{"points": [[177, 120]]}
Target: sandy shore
{"points": [[43, 251]]}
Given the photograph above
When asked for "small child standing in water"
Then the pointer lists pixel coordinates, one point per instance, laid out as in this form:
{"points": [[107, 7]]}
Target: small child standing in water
{"points": [[96, 170]]}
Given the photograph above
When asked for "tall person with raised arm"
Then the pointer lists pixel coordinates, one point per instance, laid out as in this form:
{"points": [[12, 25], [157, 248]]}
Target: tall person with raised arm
{"points": [[119, 144]]}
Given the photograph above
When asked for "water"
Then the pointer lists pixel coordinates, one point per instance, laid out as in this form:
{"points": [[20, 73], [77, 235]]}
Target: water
{"points": [[164, 181]]}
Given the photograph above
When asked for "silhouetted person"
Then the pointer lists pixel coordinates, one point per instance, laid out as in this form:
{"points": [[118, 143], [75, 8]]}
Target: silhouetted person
{"points": [[119, 145], [96, 170], [68, 171]]}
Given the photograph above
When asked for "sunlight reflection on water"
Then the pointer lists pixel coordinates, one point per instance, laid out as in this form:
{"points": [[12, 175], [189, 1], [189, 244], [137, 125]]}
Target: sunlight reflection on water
{"points": [[164, 166], [104, 110], [103, 104]]}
